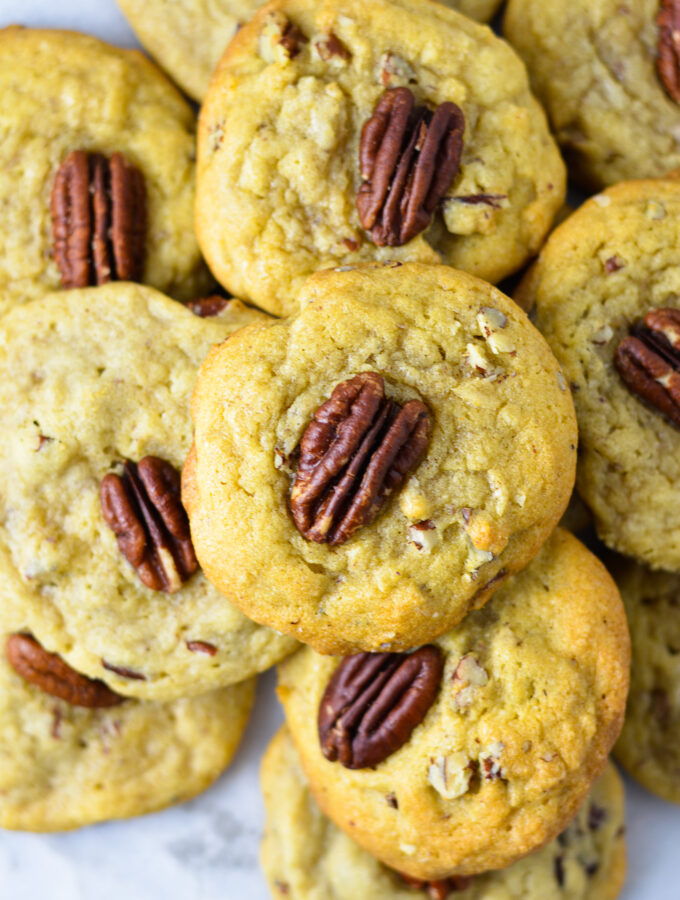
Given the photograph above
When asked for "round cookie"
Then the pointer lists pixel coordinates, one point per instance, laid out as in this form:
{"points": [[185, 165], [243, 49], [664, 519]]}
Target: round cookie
{"points": [[493, 481], [598, 276], [280, 133], [188, 37], [91, 378], [62, 92], [593, 65], [305, 857], [649, 746], [526, 708], [65, 766]]}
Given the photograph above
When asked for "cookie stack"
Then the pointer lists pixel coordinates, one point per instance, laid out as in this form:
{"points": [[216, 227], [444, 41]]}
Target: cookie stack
{"points": [[361, 476]]}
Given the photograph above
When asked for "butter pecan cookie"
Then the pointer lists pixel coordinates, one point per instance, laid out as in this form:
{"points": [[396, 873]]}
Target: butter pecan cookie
{"points": [[608, 74], [605, 290], [649, 746], [478, 748], [306, 857], [337, 133], [94, 541], [188, 37], [73, 753], [97, 166], [367, 471]]}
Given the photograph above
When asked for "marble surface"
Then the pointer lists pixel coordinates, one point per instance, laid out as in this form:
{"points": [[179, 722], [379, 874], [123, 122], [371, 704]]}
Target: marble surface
{"points": [[208, 849]]}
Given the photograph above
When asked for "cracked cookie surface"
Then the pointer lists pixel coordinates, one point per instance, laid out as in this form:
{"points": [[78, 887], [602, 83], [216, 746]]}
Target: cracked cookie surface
{"points": [[64, 766], [599, 274], [531, 700], [188, 37], [62, 92], [593, 66], [649, 746], [492, 483], [91, 378], [279, 138], [306, 857]]}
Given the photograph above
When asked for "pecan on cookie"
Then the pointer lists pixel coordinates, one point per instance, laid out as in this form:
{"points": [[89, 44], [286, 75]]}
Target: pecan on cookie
{"points": [[374, 701], [649, 361], [357, 450], [52, 675], [144, 510], [408, 158], [98, 219]]}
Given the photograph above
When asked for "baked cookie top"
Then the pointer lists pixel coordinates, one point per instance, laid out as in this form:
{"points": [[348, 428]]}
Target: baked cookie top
{"points": [[281, 130], [63, 766], [90, 379], [403, 559], [649, 746], [64, 92], [306, 857], [188, 37], [598, 277], [512, 713], [595, 67]]}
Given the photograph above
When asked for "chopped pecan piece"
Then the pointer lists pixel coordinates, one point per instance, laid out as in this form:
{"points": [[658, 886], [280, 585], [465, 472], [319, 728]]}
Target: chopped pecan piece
{"points": [[649, 361], [98, 220], [332, 46], [205, 307], [144, 510], [356, 451], [668, 56], [52, 675], [408, 157], [439, 890], [291, 39], [374, 701]]}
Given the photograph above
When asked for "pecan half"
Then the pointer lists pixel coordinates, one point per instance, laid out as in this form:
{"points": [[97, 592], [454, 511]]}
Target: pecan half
{"points": [[98, 220], [668, 56], [649, 361], [52, 675], [438, 890], [205, 307], [355, 452], [144, 510], [408, 157], [374, 701]]}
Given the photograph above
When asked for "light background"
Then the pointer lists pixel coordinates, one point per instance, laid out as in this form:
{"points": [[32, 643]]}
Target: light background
{"points": [[208, 849]]}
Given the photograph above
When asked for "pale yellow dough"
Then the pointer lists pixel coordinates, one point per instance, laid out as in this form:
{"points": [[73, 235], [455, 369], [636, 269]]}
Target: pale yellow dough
{"points": [[305, 857]]}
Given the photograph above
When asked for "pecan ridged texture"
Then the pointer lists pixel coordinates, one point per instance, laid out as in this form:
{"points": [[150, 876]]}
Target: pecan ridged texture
{"points": [[355, 452], [648, 361], [439, 890], [373, 702], [143, 508], [408, 158], [98, 220], [53, 676], [668, 49]]}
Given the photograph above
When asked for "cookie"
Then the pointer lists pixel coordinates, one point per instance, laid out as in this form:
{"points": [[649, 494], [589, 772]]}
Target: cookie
{"points": [[382, 532], [597, 69], [64, 92], [188, 37], [320, 115], [94, 382], [305, 857], [63, 766], [648, 746], [599, 277], [477, 749]]}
